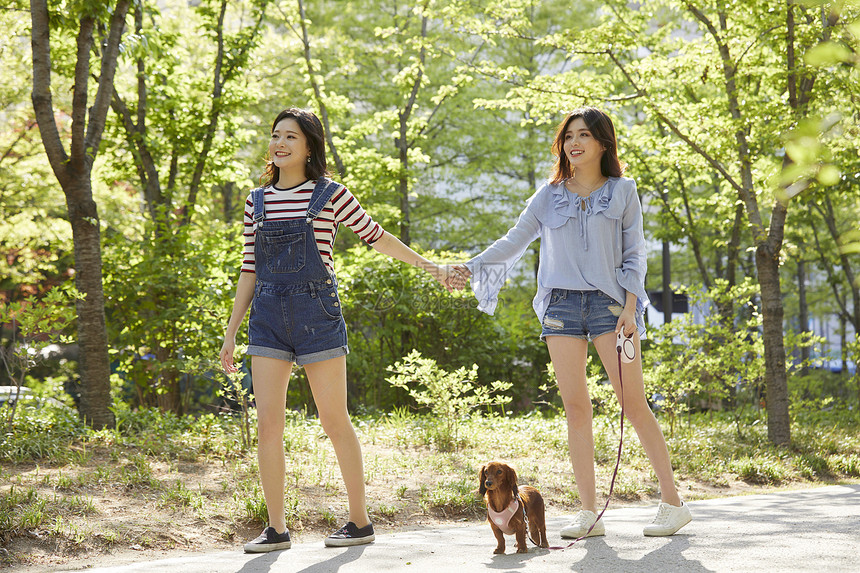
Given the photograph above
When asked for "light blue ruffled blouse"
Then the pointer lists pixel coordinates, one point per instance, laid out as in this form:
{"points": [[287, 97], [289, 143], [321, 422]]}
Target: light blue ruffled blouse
{"points": [[592, 243]]}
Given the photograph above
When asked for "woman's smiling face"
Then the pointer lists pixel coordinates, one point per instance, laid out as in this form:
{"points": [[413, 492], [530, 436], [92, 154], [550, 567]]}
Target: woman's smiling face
{"points": [[580, 146], [288, 147]]}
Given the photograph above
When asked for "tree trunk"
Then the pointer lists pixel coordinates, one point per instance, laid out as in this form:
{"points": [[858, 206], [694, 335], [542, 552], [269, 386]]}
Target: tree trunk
{"points": [[843, 344], [668, 299], [402, 143], [768, 240], [228, 190], [803, 311], [403, 184], [776, 382], [94, 364], [74, 173], [315, 84], [214, 115]]}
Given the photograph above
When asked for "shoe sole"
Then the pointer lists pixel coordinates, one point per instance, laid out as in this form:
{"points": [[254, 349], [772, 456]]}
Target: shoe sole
{"points": [[594, 533], [265, 548], [349, 542], [666, 532]]}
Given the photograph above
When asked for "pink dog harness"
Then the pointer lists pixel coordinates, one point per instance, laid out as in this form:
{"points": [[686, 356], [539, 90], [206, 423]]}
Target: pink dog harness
{"points": [[502, 519]]}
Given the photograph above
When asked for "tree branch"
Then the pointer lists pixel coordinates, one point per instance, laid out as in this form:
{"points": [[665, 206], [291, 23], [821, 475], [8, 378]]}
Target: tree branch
{"points": [[218, 82], [745, 189], [214, 113], [79, 91], [145, 164], [416, 86], [22, 135], [341, 168], [104, 94], [830, 219], [672, 126], [694, 241], [43, 105], [828, 267], [141, 75], [441, 101]]}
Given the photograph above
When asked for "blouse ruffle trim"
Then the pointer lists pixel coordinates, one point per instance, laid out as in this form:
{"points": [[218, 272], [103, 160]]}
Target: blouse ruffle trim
{"points": [[486, 282], [565, 205]]}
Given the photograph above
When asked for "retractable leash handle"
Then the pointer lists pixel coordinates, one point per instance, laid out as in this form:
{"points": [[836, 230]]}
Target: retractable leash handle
{"points": [[625, 347], [626, 351]]}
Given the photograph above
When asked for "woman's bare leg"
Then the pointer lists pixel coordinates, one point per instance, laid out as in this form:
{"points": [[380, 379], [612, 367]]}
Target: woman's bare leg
{"points": [[271, 378], [327, 380], [636, 409], [569, 356]]}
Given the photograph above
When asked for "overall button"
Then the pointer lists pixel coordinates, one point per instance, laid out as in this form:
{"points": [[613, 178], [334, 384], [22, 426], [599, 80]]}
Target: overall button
{"points": [[328, 282], [332, 294], [337, 304]]}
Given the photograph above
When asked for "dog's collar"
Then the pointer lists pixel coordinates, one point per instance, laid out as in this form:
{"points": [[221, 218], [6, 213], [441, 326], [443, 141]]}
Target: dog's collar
{"points": [[502, 519]]}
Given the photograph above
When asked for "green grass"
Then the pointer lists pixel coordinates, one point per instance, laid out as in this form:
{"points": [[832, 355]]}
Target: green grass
{"points": [[848, 464], [710, 449], [54, 470], [24, 509], [452, 497], [177, 494]]}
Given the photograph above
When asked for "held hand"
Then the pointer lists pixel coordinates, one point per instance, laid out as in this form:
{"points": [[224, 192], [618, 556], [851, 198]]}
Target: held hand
{"points": [[626, 322], [449, 276], [227, 350], [438, 272], [460, 276]]}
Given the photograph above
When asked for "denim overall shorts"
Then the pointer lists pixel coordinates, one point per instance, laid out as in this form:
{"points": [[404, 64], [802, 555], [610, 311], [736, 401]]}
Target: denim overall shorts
{"points": [[296, 312]]}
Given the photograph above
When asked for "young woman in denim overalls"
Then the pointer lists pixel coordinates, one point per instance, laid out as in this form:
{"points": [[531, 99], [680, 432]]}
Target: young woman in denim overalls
{"points": [[591, 286], [296, 318]]}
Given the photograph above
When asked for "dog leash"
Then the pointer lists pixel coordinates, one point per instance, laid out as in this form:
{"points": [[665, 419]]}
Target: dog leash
{"points": [[618, 348], [526, 521]]}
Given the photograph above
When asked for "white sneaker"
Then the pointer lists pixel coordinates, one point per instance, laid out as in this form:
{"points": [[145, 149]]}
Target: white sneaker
{"points": [[669, 519], [581, 523]]}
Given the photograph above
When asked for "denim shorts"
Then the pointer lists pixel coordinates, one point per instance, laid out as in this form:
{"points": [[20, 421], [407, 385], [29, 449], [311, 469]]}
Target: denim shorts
{"points": [[580, 314], [299, 323]]}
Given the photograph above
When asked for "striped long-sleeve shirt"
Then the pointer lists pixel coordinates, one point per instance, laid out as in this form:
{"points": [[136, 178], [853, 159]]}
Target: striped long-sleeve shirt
{"points": [[283, 204]]}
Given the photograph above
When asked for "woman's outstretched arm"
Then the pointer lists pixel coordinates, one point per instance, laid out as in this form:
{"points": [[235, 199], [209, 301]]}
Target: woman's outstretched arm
{"points": [[390, 245]]}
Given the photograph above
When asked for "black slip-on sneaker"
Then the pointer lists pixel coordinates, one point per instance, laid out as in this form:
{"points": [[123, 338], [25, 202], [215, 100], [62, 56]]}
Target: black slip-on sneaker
{"points": [[269, 540], [350, 535]]}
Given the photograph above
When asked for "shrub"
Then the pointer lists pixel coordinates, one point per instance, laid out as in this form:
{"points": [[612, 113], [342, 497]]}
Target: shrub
{"points": [[689, 364], [36, 322], [812, 466], [848, 464], [391, 308], [760, 470], [167, 297], [450, 396]]}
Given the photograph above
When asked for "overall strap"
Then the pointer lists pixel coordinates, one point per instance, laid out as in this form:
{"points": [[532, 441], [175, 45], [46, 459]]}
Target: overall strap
{"points": [[323, 191], [258, 198]]}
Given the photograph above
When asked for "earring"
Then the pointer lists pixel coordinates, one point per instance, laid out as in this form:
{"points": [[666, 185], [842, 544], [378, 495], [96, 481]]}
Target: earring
{"points": [[309, 159]]}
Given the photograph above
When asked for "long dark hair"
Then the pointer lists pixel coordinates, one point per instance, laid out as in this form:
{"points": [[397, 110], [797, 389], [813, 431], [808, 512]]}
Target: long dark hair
{"points": [[602, 129], [312, 129]]}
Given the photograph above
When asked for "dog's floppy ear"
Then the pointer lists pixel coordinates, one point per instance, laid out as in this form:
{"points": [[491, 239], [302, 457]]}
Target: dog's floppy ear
{"points": [[512, 480], [482, 477]]}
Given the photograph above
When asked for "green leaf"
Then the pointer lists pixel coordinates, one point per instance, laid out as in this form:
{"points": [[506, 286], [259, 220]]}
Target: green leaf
{"points": [[828, 53], [829, 175]]}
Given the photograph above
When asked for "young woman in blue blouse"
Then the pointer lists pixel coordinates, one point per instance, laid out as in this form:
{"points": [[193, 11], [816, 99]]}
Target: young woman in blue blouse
{"points": [[591, 285]]}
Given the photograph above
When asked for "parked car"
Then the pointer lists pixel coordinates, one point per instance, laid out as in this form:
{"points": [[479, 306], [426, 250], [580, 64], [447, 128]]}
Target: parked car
{"points": [[9, 394]]}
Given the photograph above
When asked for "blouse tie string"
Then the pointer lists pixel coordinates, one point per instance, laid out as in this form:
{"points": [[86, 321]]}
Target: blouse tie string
{"points": [[582, 207]]}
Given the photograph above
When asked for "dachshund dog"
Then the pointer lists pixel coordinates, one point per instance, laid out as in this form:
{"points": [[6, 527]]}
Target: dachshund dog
{"points": [[512, 509]]}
